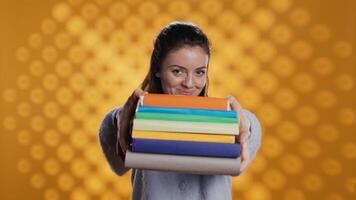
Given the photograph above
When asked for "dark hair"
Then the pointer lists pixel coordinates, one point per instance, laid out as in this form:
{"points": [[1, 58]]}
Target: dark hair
{"points": [[173, 36]]}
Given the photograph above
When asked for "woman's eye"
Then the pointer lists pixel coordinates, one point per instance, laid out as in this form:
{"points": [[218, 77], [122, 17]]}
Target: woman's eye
{"points": [[201, 73], [176, 71]]}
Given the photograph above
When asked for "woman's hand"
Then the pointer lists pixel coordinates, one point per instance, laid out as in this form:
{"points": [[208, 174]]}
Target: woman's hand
{"points": [[126, 115], [244, 131]]}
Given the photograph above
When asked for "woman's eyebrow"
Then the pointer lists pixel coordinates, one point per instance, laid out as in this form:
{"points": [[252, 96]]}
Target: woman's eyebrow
{"points": [[176, 66], [202, 67]]}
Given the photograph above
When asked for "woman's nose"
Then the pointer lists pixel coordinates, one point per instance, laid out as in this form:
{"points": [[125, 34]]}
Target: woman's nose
{"points": [[188, 81]]}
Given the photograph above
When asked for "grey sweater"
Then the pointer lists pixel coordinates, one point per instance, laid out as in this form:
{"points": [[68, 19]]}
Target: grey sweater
{"points": [[157, 185]]}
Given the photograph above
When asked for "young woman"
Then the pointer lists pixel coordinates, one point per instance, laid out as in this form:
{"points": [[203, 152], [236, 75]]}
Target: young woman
{"points": [[179, 65]]}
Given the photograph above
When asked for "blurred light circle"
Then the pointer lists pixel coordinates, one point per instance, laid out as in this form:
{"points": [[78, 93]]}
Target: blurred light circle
{"points": [[23, 165], [37, 152], [274, 179], [309, 148], [24, 137], [312, 182], [36, 68], [323, 66], [328, 132], [320, 33], [62, 40], [281, 34], [35, 40], [61, 12], [280, 6], [263, 18], [288, 131], [38, 180], [51, 194], [9, 95], [346, 116], [49, 54], [299, 17], [65, 182], [48, 26], [65, 152], [291, 164], [345, 82]]}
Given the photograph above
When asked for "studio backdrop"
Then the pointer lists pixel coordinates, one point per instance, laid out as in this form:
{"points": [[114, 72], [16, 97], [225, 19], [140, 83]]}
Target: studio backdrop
{"points": [[66, 63]]}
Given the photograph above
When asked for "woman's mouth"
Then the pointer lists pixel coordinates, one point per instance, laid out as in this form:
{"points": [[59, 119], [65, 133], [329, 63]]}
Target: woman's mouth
{"points": [[186, 93]]}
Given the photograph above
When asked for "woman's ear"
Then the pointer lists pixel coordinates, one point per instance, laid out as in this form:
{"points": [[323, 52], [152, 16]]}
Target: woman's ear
{"points": [[157, 74]]}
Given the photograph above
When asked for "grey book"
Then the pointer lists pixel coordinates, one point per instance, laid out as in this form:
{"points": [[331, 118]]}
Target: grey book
{"points": [[183, 164]]}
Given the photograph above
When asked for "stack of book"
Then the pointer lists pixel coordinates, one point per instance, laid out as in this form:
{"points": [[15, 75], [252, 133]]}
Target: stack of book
{"points": [[186, 134]]}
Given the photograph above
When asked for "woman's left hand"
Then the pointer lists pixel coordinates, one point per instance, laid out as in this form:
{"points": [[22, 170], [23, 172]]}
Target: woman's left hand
{"points": [[244, 132]]}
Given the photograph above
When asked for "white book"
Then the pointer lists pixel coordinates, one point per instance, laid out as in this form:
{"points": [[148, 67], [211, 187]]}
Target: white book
{"points": [[189, 127]]}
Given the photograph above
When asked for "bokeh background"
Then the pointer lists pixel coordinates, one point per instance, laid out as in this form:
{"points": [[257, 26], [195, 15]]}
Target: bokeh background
{"points": [[65, 63]]}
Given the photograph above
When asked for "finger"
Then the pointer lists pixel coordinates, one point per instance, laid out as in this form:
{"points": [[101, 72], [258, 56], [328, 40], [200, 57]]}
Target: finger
{"points": [[245, 156], [243, 138], [244, 123], [241, 122], [234, 104], [139, 92]]}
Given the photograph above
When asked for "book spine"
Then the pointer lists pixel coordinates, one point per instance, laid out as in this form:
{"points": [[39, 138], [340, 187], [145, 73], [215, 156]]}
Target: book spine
{"points": [[189, 127], [187, 111], [186, 148], [176, 101], [188, 118], [183, 164], [193, 137]]}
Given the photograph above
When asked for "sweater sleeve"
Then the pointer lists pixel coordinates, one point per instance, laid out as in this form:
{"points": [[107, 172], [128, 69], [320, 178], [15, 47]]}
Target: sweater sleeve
{"points": [[108, 140]]}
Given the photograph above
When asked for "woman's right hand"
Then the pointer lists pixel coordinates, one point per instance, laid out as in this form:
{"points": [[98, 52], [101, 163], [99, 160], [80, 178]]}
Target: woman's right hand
{"points": [[126, 115], [139, 92]]}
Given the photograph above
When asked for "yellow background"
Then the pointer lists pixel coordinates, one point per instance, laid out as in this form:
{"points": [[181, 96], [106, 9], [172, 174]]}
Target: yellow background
{"points": [[64, 64]]}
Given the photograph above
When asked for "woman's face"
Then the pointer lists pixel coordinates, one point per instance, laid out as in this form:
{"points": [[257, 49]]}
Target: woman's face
{"points": [[184, 71]]}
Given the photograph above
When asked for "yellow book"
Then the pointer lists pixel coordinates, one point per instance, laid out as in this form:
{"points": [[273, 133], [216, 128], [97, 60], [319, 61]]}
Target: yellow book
{"points": [[194, 137]]}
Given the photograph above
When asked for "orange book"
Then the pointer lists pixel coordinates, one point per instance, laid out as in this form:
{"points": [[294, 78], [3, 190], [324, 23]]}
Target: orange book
{"points": [[178, 101]]}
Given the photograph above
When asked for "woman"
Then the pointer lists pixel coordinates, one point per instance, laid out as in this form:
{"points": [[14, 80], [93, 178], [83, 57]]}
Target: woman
{"points": [[179, 65]]}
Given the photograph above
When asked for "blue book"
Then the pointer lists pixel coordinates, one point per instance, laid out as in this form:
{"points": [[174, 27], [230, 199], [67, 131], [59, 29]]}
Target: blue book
{"points": [[188, 111], [209, 149]]}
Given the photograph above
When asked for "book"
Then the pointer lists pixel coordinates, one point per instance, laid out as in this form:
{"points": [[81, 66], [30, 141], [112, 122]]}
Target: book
{"points": [[184, 117], [187, 111], [178, 101], [183, 164], [197, 137], [174, 147], [182, 126]]}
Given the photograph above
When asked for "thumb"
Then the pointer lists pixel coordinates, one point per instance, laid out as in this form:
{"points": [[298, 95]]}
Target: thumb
{"points": [[139, 92], [245, 153], [245, 156], [234, 104]]}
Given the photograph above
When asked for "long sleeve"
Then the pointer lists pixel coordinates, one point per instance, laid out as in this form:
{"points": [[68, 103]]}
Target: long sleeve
{"points": [[108, 141]]}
